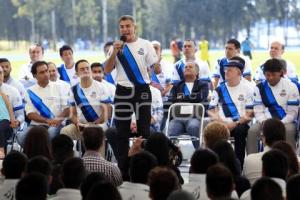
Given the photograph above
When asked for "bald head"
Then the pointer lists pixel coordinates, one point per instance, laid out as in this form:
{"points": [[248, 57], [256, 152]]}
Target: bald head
{"points": [[276, 49]]}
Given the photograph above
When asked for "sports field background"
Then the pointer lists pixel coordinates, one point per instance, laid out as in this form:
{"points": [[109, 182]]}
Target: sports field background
{"points": [[18, 58]]}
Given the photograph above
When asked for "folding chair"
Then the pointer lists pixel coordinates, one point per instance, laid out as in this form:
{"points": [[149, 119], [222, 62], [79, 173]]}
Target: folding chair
{"points": [[186, 111]]}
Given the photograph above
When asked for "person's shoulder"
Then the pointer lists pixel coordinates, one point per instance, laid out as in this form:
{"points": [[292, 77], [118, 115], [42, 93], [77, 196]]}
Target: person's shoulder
{"points": [[10, 89]]}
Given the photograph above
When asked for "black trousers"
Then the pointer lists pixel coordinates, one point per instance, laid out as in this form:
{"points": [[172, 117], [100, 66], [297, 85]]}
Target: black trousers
{"points": [[240, 134], [129, 100], [5, 132]]}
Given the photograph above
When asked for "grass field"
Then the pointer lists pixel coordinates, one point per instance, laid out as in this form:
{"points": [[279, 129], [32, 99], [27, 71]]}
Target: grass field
{"points": [[18, 58]]}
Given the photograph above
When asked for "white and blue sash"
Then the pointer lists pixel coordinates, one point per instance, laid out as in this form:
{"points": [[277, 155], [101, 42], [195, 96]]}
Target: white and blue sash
{"points": [[40, 106]]}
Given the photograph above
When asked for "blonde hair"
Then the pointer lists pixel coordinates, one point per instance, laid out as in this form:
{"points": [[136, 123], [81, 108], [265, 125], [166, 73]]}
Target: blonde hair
{"points": [[214, 132], [127, 17]]}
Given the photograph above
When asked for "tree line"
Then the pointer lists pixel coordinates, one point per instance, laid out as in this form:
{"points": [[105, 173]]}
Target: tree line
{"points": [[97, 20]]}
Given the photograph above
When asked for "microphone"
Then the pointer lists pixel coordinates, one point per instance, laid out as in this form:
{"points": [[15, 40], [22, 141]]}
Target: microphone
{"points": [[123, 38]]}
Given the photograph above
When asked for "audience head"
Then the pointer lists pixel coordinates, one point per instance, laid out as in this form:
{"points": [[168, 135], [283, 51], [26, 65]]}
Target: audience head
{"points": [[181, 195], [89, 181], [232, 48], [53, 73], [227, 156], [66, 54], [32, 187], [14, 165], [39, 164], [287, 149], [215, 131], [36, 52], [275, 164], [62, 148], [266, 189], [140, 166], [158, 145], [219, 182], [162, 181], [93, 138], [73, 173], [271, 134], [202, 159], [276, 49], [37, 143], [97, 71], [104, 190], [273, 70], [292, 188]]}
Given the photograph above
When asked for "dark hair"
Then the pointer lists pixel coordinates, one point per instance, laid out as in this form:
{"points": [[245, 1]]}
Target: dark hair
{"points": [[227, 156], [14, 165], [162, 181], [73, 173], [62, 148], [78, 62], [64, 48], [4, 60], [273, 130], [127, 17], [292, 188], [235, 42], [157, 144], [37, 143], [36, 65], [275, 164], [266, 189], [93, 138], [287, 149], [32, 187], [107, 44], [190, 40], [273, 65], [89, 181], [202, 159], [104, 190], [140, 166], [39, 164], [96, 64], [219, 181]]}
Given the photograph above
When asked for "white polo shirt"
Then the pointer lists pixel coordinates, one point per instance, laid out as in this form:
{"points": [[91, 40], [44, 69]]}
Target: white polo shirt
{"points": [[241, 95], [286, 95], [52, 96], [95, 94], [144, 56]]}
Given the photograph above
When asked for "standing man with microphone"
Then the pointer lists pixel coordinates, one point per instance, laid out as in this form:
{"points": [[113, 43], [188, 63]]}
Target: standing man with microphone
{"points": [[131, 56]]}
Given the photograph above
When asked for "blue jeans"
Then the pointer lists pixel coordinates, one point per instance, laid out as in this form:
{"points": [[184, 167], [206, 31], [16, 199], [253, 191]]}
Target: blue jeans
{"points": [[189, 126], [52, 132]]}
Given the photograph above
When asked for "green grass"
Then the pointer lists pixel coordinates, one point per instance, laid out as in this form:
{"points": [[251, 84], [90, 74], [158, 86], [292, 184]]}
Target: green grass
{"points": [[258, 58]]}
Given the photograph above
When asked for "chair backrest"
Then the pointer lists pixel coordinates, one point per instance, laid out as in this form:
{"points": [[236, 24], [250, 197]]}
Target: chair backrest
{"points": [[185, 111]]}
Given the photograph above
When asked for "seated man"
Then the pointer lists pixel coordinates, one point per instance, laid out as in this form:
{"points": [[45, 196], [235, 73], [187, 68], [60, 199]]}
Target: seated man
{"points": [[190, 90], [232, 103], [276, 97], [89, 100], [46, 105]]}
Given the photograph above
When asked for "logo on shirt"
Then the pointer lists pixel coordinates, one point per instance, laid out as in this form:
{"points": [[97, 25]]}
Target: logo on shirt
{"points": [[141, 51], [93, 95], [241, 97], [282, 93]]}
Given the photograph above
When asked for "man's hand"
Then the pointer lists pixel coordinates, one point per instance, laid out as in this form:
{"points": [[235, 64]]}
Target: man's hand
{"points": [[54, 122], [133, 127], [14, 123], [136, 146], [231, 125], [118, 45], [244, 120]]}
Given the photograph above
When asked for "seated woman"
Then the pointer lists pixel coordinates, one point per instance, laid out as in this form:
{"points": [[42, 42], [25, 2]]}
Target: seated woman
{"points": [[6, 116]]}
